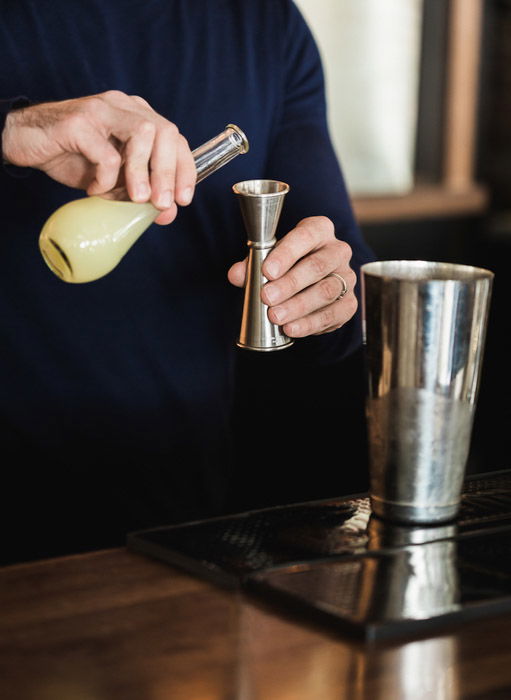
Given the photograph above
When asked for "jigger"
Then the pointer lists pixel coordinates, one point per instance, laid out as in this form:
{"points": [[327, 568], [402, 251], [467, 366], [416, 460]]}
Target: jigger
{"points": [[261, 204]]}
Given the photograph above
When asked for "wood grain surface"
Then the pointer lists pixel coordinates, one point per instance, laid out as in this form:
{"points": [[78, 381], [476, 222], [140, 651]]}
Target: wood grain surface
{"points": [[113, 624]]}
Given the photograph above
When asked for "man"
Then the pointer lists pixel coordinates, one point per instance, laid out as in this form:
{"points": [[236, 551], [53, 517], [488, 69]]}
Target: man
{"points": [[116, 395]]}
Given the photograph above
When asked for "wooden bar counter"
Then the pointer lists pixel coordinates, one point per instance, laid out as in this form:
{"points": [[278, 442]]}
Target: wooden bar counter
{"points": [[115, 624]]}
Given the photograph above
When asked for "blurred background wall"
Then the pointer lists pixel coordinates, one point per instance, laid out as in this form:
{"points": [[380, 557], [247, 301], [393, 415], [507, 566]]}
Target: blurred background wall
{"points": [[419, 95], [371, 54]]}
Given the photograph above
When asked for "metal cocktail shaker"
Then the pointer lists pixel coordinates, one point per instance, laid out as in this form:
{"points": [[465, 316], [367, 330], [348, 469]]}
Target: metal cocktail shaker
{"points": [[424, 332], [261, 203]]}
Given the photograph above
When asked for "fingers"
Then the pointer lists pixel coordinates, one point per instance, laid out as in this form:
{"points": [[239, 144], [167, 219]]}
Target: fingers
{"points": [[137, 154], [107, 161], [307, 271], [305, 298], [167, 216], [310, 234], [159, 165], [302, 297], [237, 273], [173, 172], [186, 173], [317, 309], [104, 156], [98, 141]]}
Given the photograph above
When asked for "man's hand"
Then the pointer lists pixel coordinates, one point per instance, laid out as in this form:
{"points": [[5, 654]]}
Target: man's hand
{"points": [[302, 295], [103, 142]]}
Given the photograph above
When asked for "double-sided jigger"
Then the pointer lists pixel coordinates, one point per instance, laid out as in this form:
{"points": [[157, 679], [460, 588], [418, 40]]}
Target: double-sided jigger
{"points": [[261, 204]]}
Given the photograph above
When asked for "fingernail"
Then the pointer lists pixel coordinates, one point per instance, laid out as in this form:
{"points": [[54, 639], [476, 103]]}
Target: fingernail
{"points": [[279, 314], [273, 268], [165, 199], [142, 191], [271, 293], [187, 195]]}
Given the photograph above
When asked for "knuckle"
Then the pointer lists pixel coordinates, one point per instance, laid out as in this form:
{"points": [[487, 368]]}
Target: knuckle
{"points": [[299, 307], [163, 179], [185, 150], [345, 250], [306, 327], [291, 282], [318, 265], [307, 233], [351, 305], [327, 317], [320, 222], [114, 95], [183, 141], [75, 121], [169, 130], [326, 224], [145, 128], [136, 163], [112, 160], [329, 288], [93, 103], [140, 101], [88, 110], [164, 173]]}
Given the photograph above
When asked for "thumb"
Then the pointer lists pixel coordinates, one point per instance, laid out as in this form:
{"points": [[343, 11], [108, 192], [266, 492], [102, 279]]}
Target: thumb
{"points": [[237, 273]]}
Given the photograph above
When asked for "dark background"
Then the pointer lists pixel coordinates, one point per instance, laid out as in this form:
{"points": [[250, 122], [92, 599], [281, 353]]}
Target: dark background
{"points": [[304, 437]]}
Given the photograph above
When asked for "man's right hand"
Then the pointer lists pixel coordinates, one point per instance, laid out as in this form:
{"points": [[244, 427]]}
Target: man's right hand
{"points": [[104, 141]]}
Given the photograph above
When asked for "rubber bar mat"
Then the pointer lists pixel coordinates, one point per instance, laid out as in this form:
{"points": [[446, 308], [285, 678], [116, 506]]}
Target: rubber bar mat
{"points": [[402, 592], [332, 561], [228, 550]]}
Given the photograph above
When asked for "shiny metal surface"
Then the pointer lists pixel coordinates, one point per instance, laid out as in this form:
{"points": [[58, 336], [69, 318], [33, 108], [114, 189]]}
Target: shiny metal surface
{"points": [[261, 204], [416, 582], [385, 535], [424, 332], [419, 580], [384, 587]]}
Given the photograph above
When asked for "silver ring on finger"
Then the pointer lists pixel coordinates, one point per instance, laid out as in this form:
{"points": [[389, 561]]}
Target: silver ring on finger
{"points": [[344, 289]]}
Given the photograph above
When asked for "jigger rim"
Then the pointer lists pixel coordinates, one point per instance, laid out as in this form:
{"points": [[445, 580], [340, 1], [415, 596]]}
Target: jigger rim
{"points": [[282, 188], [425, 271]]}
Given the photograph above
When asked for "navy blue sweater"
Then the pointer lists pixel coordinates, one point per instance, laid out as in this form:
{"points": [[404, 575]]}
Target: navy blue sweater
{"points": [[126, 382]]}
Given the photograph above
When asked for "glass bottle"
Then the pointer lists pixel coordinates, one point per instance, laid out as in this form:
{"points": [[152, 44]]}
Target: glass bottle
{"points": [[86, 238]]}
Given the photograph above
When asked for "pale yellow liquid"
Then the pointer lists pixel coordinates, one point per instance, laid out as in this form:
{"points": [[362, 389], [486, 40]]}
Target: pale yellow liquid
{"points": [[86, 238]]}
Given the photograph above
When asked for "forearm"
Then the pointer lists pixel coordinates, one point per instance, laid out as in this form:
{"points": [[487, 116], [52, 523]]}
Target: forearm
{"points": [[7, 108]]}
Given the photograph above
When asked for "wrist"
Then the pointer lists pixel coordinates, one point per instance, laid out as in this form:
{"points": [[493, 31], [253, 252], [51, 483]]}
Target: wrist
{"points": [[7, 108]]}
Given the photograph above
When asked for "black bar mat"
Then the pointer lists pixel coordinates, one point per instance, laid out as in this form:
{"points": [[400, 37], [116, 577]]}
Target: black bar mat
{"points": [[400, 592], [228, 549], [321, 557]]}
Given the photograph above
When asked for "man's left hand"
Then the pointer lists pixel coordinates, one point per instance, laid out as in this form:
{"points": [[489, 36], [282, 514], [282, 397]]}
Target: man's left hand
{"points": [[304, 291]]}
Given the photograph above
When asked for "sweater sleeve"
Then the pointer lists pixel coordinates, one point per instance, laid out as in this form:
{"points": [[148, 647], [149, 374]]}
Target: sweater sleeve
{"points": [[302, 155], [6, 106]]}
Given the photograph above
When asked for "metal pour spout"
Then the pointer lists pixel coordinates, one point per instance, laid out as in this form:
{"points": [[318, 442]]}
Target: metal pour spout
{"points": [[261, 204]]}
